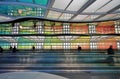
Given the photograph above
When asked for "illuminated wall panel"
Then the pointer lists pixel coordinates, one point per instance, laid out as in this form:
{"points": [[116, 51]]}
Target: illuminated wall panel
{"points": [[52, 43], [48, 30], [60, 42], [5, 29], [105, 43], [84, 46], [27, 28], [82, 41], [57, 29], [25, 43], [4, 45], [79, 29], [105, 29]]}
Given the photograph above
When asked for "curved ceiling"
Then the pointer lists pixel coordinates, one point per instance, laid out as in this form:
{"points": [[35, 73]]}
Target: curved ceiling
{"points": [[60, 10]]}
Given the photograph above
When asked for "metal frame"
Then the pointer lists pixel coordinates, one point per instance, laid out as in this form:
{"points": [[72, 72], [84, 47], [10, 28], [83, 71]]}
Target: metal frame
{"points": [[83, 8], [50, 3], [110, 11], [75, 13]]}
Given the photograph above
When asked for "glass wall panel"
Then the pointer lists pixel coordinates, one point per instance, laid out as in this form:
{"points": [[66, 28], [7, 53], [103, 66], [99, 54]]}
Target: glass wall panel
{"points": [[105, 29], [57, 35], [79, 29], [5, 29], [106, 42]]}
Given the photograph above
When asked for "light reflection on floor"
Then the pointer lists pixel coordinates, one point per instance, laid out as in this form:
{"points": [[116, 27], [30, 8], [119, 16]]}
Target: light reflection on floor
{"points": [[61, 62]]}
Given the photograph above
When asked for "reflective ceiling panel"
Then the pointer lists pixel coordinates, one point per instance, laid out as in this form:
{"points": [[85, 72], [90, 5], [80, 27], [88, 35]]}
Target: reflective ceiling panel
{"points": [[53, 14], [118, 10], [107, 16], [60, 10], [9, 0], [96, 5], [79, 17], [41, 2], [65, 16], [90, 17], [109, 6], [76, 5], [116, 16], [61, 4], [29, 1], [4, 18], [19, 10]]}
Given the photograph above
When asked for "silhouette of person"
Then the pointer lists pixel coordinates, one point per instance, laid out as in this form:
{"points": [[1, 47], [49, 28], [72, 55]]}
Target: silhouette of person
{"points": [[1, 49], [14, 49], [110, 50], [79, 48], [33, 48], [10, 48], [110, 59]]}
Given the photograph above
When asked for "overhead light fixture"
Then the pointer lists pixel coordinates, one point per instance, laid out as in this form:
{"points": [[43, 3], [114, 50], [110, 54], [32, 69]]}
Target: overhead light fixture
{"points": [[19, 11], [21, 27]]}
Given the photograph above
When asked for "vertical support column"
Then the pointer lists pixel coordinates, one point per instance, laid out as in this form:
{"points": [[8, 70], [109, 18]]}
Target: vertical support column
{"points": [[117, 31], [92, 30], [66, 30], [118, 45], [40, 30], [93, 45], [15, 30], [117, 27]]}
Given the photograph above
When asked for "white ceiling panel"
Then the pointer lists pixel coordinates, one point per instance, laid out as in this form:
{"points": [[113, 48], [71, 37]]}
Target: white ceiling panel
{"points": [[96, 5], [118, 10], [107, 16], [61, 10], [53, 14], [76, 5], [61, 4], [2, 18], [65, 16], [116, 16], [109, 6], [79, 17], [90, 17]]}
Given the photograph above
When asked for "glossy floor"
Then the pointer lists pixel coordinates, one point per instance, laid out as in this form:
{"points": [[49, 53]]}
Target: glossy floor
{"points": [[68, 63]]}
